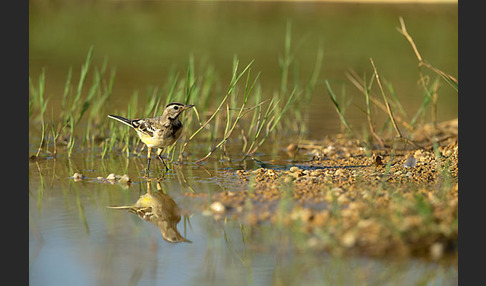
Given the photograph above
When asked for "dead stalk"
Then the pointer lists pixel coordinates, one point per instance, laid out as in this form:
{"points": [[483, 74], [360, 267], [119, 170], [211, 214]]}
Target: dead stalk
{"points": [[421, 62], [388, 107], [403, 31], [387, 104]]}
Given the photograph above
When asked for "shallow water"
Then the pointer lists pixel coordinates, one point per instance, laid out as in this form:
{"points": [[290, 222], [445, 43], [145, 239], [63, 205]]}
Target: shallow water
{"points": [[75, 239]]}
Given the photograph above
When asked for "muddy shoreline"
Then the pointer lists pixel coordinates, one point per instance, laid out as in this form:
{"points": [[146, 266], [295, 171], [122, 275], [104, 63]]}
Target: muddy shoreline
{"points": [[401, 202]]}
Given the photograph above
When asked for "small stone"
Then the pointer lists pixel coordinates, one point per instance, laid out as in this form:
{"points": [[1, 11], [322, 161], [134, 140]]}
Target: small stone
{"points": [[328, 149], [270, 172], [337, 190], [436, 250], [111, 177], [240, 172], [316, 155], [421, 156], [125, 179], [294, 169], [410, 162], [258, 171], [315, 173], [78, 177], [348, 239], [217, 207], [447, 153]]}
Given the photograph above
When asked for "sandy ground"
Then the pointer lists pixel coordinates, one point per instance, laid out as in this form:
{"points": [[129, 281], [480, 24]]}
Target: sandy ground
{"points": [[395, 201]]}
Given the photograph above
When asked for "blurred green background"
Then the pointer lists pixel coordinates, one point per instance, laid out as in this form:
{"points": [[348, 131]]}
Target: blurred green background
{"points": [[145, 40]]}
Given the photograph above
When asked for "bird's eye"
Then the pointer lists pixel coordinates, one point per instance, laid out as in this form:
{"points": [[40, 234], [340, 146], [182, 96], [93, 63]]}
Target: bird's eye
{"points": [[176, 107]]}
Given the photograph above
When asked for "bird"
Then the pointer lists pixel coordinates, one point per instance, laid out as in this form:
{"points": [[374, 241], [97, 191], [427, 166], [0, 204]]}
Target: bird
{"points": [[158, 132], [159, 209]]}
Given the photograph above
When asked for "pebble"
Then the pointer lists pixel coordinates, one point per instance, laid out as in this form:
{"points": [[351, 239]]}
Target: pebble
{"points": [[337, 190], [447, 153], [240, 172], [348, 239], [270, 172], [315, 173], [217, 207], [410, 162], [125, 179], [111, 177], [259, 171], [436, 250], [294, 169], [78, 177]]}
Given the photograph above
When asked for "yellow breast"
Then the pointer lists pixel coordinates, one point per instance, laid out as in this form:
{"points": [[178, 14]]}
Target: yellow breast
{"points": [[153, 142], [160, 139]]}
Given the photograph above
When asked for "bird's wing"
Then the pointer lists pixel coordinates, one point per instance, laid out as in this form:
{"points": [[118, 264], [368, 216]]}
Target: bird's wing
{"points": [[147, 126]]}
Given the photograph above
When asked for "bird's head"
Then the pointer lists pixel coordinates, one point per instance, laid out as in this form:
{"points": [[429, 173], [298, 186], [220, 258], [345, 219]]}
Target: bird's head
{"points": [[174, 109]]}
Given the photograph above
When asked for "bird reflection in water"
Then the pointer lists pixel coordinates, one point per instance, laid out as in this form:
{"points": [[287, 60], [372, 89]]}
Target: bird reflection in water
{"points": [[159, 209]]}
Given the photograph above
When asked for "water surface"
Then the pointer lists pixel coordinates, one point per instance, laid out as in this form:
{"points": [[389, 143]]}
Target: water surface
{"points": [[75, 239]]}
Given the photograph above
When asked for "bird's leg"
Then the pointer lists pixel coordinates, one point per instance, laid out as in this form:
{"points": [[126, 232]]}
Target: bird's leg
{"points": [[159, 155], [149, 149]]}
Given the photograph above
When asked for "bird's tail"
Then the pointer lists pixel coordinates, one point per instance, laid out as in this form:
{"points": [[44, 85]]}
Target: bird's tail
{"points": [[121, 119]]}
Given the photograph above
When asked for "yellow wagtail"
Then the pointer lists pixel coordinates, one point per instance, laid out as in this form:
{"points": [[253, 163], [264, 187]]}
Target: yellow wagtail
{"points": [[158, 132]]}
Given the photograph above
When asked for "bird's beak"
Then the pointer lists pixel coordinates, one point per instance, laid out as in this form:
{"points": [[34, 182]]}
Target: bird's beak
{"points": [[188, 106]]}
